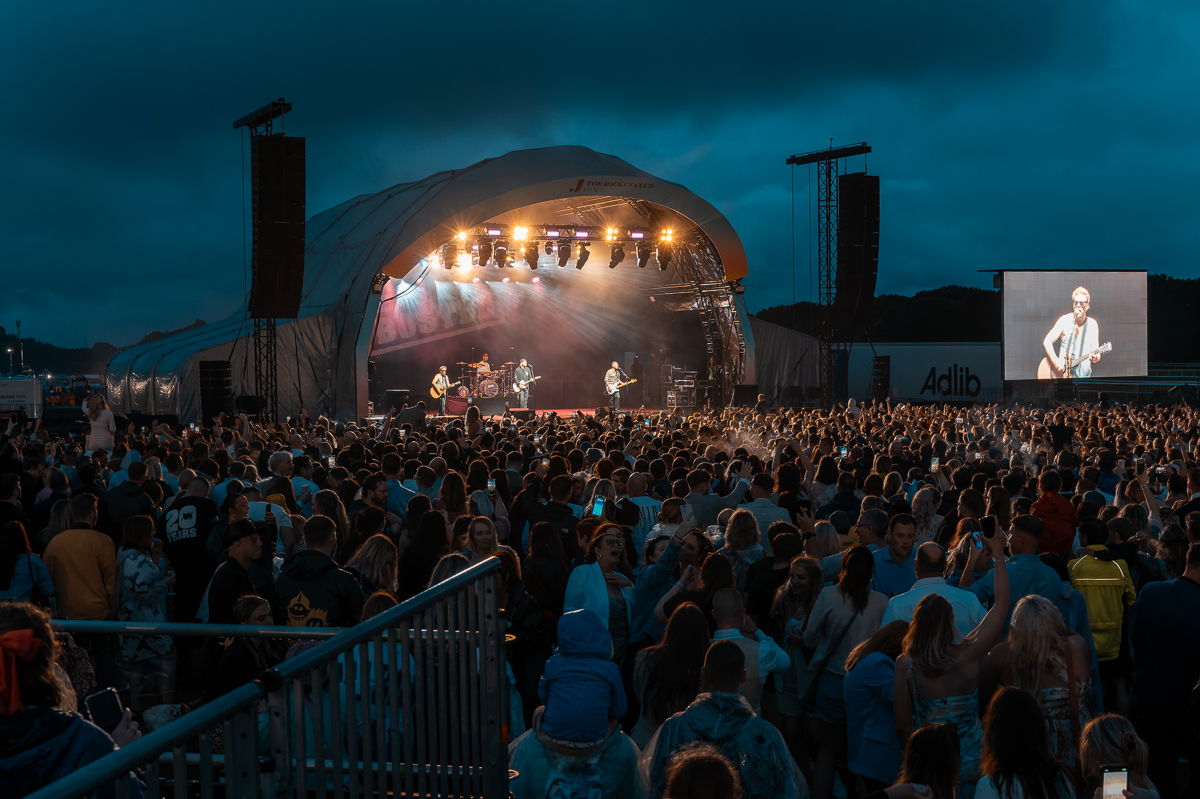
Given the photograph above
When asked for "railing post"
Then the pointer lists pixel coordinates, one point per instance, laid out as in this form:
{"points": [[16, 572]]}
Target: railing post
{"points": [[241, 755], [279, 736], [495, 757]]}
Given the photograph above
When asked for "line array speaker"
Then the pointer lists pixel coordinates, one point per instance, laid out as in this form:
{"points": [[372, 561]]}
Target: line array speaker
{"points": [[857, 247], [277, 168]]}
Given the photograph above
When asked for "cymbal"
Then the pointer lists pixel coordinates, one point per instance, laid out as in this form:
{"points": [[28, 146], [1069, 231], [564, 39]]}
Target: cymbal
{"points": [[509, 363], [461, 363]]}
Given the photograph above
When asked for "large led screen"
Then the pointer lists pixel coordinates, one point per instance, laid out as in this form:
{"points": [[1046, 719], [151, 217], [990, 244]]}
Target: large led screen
{"points": [[1074, 325]]}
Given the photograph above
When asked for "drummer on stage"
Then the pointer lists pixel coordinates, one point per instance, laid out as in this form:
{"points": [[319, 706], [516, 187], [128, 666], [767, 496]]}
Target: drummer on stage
{"points": [[483, 368]]}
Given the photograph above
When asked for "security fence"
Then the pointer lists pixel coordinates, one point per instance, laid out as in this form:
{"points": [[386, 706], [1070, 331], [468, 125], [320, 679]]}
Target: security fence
{"points": [[412, 701]]}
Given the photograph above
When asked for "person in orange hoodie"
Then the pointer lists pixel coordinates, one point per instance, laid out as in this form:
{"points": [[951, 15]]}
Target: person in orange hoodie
{"points": [[1056, 512]]}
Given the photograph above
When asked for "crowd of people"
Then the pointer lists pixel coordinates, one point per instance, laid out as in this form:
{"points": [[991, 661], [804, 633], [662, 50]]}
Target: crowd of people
{"points": [[923, 601]]}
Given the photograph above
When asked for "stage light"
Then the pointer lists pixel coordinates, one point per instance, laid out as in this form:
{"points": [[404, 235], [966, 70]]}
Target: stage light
{"points": [[551, 232], [537, 279], [667, 235], [462, 235], [637, 233], [531, 254], [495, 231], [644, 251], [610, 234], [583, 255], [618, 255], [564, 254], [449, 255], [549, 248], [583, 233], [520, 233], [485, 252], [664, 255], [501, 254]]}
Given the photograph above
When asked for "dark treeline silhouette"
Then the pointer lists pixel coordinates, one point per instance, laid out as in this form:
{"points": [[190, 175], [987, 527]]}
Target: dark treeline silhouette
{"points": [[45, 357], [960, 313]]}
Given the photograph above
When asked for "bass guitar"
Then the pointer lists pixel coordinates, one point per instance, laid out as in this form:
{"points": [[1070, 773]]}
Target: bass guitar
{"points": [[609, 391], [522, 384], [438, 393], [1048, 371]]}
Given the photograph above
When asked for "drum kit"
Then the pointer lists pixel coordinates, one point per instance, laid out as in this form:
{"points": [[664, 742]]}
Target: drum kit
{"points": [[496, 384]]}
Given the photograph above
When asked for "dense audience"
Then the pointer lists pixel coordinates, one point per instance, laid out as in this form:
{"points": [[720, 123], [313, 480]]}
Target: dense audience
{"points": [[921, 601]]}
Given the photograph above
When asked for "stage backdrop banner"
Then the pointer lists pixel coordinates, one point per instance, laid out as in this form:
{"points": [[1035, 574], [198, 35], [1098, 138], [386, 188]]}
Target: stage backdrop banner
{"points": [[1039, 304]]}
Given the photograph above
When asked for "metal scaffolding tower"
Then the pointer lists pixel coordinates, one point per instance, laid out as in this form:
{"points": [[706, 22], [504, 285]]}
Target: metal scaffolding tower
{"points": [[266, 362], [833, 350]]}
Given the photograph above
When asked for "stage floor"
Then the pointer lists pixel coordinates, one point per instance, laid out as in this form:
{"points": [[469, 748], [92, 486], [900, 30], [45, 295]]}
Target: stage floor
{"points": [[560, 411]]}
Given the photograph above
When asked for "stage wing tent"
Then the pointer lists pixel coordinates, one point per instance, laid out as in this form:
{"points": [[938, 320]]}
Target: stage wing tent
{"points": [[323, 353]]}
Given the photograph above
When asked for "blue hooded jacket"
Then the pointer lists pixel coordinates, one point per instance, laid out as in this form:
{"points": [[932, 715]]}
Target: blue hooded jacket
{"points": [[755, 748], [581, 688], [40, 745]]}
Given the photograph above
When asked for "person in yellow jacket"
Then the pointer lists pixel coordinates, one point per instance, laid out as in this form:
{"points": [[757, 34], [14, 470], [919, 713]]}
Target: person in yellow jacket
{"points": [[1107, 589]]}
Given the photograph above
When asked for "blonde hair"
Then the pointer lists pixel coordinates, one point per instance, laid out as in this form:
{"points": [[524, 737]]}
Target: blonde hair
{"points": [[742, 531], [931, 635], [471, 535], [95, 405], [1036, 634], [1112, 739], [827, 539], [377, 561]]}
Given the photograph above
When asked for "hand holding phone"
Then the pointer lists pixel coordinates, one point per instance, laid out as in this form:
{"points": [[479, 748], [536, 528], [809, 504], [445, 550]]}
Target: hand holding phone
{"points": [[1115, 781], [105, 709], [491, 486], [598, 506]]}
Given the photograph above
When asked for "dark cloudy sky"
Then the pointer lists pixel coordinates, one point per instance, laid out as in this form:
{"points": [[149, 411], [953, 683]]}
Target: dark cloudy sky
{"points": [[1029, 133]]}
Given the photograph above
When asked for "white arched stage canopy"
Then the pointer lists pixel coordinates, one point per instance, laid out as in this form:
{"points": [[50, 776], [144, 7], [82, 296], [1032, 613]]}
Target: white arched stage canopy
{"points": [[389, 241]]}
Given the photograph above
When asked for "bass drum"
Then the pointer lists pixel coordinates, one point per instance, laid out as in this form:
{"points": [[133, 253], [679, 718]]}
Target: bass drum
{"points": [[464, 392], [489, 388]]}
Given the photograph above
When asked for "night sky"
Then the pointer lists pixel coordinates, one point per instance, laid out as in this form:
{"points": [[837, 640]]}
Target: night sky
{"points": [[1008, 135]]}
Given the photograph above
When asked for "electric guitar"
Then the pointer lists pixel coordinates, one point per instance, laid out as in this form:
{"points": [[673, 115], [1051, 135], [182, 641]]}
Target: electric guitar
{"points": [[614, 389], [522, 385], [1048, 371], [438, 393]]}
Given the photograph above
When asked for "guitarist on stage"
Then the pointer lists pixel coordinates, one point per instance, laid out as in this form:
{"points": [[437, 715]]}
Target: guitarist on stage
{"points": [[522, 377], [612, 381], [441, 385], [1079, 335]]}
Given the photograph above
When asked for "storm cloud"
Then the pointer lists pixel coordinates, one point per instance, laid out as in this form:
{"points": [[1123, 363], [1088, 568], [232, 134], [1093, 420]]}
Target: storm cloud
{"points": [[1016, 135]]}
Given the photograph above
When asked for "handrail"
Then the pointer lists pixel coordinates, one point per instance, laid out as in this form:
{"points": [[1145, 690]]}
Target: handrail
{"points": [[129, 758], [185, 629], [306, 662], [148, 749]]}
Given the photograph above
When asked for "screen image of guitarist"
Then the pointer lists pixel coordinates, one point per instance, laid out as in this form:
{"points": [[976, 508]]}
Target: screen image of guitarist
{"points": [[1073, 343]]}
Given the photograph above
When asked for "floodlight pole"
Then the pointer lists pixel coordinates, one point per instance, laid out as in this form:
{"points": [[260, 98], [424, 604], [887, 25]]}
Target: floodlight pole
{"points": [[834, 351], [266, 362]]}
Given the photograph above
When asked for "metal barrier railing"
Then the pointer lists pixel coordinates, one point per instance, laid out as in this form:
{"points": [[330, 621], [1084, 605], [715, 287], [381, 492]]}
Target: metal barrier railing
{"points": [[412, 701], [182, 629]]}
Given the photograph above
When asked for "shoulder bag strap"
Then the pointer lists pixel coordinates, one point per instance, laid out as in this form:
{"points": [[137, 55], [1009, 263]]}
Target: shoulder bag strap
{"points": [[1072, 694]]}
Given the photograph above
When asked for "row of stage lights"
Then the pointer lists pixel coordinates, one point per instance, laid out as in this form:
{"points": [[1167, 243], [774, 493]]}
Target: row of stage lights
{"points": [[492, 246]]}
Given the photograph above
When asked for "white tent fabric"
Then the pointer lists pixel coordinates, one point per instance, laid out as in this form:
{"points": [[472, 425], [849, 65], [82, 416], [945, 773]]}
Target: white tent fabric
{"points": [[321, 363], [783, 358]]}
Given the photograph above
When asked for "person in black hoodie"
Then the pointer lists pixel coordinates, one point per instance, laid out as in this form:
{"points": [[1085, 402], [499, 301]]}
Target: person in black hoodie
{"points": [[312, 590], [128, 499], [557, 512]]}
